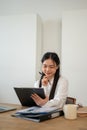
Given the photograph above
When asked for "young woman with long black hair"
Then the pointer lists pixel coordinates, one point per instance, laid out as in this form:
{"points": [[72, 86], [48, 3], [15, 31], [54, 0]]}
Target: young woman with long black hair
{"points": [[55, 86]]}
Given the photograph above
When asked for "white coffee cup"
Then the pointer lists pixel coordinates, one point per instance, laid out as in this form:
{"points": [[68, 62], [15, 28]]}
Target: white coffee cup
{"points": [[70, 111]]}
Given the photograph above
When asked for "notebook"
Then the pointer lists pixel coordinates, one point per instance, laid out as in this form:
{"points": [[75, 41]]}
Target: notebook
{"points": [[24, 95], [4, 108]]}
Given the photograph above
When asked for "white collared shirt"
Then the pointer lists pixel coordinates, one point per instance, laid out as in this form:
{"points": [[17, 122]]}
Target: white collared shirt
{"points": [[60, 95]]}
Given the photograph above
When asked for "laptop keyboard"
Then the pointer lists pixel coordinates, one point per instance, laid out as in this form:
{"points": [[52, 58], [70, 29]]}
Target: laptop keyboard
{"points": [[2, 108], [6, 108]]}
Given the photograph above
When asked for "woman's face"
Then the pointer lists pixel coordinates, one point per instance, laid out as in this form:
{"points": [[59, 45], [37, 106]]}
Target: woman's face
{"points": [[49, 68]]}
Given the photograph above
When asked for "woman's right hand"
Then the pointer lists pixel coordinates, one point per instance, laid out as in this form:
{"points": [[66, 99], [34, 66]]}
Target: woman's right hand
{"points": [[45, 81]]}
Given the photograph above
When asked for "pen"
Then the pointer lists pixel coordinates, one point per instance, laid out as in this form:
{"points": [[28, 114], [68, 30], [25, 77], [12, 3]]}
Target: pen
{"points": [[40, 73], [44, 74]]}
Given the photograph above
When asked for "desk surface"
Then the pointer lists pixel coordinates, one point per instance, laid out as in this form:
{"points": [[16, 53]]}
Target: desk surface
{"points": [[7, 122]]}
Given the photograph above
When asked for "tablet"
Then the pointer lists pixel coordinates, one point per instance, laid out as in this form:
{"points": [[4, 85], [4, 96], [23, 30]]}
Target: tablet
{"points": [[24, 95]]}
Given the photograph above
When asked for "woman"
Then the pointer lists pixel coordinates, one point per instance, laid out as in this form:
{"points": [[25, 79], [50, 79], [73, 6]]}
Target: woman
{"points": [[55, 86]]}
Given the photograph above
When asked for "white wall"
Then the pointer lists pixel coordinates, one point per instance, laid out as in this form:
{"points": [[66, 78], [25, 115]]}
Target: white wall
{"points": [[74, 52], [50, 12], [18, 53]]}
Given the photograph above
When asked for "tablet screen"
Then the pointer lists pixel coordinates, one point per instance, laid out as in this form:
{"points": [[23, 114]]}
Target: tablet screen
{"points": [[24, 95]]}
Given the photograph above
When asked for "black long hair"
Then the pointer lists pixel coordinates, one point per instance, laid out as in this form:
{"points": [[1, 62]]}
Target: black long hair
{"points": [[55, 58]]}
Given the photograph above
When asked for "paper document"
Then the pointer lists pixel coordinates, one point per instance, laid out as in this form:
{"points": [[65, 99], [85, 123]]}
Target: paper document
{"points": [[37, 110]]}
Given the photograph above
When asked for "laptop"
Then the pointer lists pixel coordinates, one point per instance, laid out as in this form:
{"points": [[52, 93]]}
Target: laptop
{"points": [[5, 108], [24, 95]]}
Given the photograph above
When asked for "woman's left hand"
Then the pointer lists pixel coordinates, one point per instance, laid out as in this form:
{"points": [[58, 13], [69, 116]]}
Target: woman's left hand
{"points": [[38, 100]]}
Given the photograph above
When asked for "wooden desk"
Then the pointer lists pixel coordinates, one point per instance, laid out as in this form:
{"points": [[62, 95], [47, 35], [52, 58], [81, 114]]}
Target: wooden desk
{"points": [[7, 122]]}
